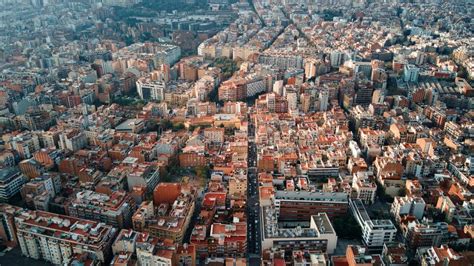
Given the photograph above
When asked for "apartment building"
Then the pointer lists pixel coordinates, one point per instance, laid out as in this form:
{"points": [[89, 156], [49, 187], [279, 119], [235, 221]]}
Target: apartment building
{"points": [[11, 181], [228, 239], [43, 186], [374, 232], [319, 236], [301, 205], [442, 256], [168, 219], [145, 175], [115, 209], [7, 224], [365, 189], [26, 143], [357, 256], [408, 205], [58, 238], [72, 140], [425, 234], [151, 89]]}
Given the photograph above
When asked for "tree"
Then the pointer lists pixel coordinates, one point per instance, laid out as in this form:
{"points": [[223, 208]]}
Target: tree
{"points": [[402, 192], [129, 40], [227, 66], [138, 104], [131, 21], [123, 101], [166, 124], [151, 125], [436, 214], [166, 177], [381, 194], [203, 174], [462, 72], [178, 127], [347, 227], [229, 130], [146, 36]]}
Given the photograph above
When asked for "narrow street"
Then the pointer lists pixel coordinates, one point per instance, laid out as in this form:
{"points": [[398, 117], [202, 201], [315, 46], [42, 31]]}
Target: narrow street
{"points": [[253, 206]]}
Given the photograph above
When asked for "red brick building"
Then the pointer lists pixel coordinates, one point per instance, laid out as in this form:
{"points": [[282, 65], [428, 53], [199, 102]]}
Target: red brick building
{"points": [[192, 159], [166, 193]]}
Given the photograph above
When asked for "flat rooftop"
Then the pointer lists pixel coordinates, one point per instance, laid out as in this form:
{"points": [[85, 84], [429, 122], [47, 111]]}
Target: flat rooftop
{"points": [[7, 173], [320, 224], [129, 124], [311, 196]]}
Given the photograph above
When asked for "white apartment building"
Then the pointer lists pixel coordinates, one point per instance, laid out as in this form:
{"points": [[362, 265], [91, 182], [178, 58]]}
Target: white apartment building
{"points": [[323, 100], [292, 99], [319, 236], [72, 140], [143, 175], [57, 238], [374, 232], [365, 188], [255, 85], [410, 73], [11, 181], [337, 58], [25, 144], [408, 205], [146, 256], [151, 89]]}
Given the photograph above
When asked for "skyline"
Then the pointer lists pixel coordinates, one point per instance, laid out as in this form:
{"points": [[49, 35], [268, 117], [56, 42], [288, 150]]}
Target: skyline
{"points": [[224, 132]]}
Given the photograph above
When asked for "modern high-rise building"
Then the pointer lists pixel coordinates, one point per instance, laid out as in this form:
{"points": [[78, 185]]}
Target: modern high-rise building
{"points": [[337, 58], [363, 67], [410, 73], [323, 100]]}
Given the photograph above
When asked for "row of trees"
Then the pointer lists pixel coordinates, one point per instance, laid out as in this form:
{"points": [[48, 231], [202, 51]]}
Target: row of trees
{"points": [[166, 124], [227, 66], [171, 5]]}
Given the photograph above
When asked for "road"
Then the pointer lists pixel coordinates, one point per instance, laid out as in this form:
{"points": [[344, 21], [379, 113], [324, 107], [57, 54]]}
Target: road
{"points": [[197, 211], [14, 257], [253, 206]]}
